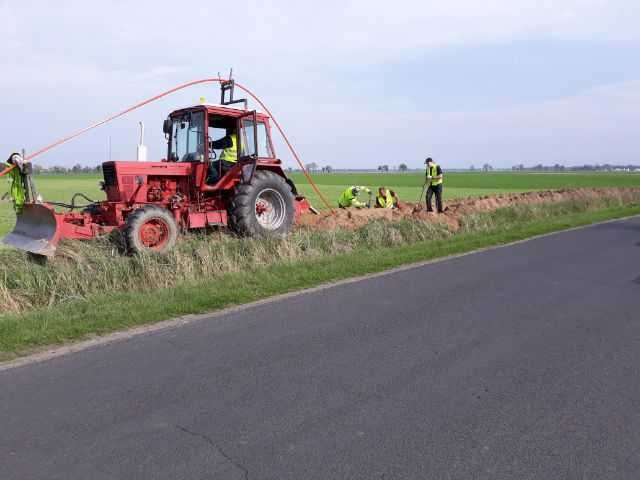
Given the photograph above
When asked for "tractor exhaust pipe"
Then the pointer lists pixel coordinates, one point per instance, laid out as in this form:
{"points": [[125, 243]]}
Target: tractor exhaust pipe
{"points": [[35, 231]]}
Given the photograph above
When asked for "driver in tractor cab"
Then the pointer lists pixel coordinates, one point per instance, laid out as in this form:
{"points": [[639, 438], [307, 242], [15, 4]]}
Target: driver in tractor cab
{"points": [[349, 197], [228, 157]]}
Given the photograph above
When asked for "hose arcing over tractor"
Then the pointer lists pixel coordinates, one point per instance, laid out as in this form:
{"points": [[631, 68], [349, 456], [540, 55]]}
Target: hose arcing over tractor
{"points": [[169, 92], [151, 202]]}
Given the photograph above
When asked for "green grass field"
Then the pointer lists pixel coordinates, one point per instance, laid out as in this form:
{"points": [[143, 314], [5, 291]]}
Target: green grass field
{"points": [[55, 188], [407, 185], [458, 185]]}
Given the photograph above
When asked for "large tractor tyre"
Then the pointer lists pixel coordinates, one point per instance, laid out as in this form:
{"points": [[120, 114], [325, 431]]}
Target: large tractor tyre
{"points": [[150, 229], [263, 207]]}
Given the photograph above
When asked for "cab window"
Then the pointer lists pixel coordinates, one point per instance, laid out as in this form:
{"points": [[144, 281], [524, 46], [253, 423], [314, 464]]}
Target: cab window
{"points": [[187, 138]]}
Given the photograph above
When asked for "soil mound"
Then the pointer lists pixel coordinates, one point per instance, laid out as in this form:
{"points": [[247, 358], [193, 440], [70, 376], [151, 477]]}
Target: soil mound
{"points": [[455, 209]]}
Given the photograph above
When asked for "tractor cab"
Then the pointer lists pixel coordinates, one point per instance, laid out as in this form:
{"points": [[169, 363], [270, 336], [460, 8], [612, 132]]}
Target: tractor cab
{"points": [[189, 130], [202, 133], [223, 144]]}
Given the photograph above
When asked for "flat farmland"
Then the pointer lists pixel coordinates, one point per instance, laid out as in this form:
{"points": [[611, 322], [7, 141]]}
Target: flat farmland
{"points": [[407, 185], [459, 185]]}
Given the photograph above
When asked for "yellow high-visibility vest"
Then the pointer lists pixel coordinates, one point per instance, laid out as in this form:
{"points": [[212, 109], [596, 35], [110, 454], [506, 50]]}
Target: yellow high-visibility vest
{"points": [[385, 201], [230, 154], [433, 172]]}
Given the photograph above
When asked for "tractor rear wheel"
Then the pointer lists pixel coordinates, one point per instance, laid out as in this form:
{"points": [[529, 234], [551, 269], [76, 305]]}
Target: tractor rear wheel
{"points": [[151, 229], [263, 207]]}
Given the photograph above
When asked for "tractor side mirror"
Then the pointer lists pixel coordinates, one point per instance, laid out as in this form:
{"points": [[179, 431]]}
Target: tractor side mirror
{"points": [[166, 126]]}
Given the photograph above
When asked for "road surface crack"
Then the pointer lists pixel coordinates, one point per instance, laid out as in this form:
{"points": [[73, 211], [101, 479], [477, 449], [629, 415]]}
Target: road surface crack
{"points": [[217, 448]]}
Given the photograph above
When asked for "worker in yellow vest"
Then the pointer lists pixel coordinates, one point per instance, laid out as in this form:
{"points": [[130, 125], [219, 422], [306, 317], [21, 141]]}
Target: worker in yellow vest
{"points": [[386, 198], [228, 157], [434, 180]]}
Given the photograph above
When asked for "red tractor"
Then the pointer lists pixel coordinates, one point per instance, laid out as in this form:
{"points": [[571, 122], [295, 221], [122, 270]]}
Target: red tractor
{"points": [[151, 202]]}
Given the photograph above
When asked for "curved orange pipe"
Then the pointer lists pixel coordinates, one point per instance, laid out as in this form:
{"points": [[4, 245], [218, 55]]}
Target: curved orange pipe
{"points": [[169, 92], [7, 170]]}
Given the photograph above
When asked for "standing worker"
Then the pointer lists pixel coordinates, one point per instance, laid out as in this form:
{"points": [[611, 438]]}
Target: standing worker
{"points": [[17, 191], [349, 197], [386, 198], [434, 181]]}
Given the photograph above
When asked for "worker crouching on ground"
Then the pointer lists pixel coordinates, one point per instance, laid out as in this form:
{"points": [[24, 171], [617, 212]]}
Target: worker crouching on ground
{"points": [[387, 198], [434, 181], [349, 197]]}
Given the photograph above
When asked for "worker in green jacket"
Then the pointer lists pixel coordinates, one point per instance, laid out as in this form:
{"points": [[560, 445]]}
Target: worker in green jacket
{"points": [[16, 190], [349, 197]]}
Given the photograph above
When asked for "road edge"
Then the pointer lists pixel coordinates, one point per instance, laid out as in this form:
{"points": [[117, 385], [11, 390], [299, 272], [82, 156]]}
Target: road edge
{"points": [[49, 353]]}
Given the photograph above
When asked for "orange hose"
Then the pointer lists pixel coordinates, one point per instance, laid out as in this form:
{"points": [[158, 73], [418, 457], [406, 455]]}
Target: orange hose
{"points": [[169, 92], [291, 149], [7, 170]]}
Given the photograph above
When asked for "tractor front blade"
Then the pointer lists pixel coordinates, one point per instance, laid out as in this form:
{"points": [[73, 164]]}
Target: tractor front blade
{"points": [[35, 230]]}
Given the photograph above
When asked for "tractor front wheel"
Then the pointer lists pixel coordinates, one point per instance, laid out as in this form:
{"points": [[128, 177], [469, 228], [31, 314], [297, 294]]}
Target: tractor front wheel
{"points": [[151, 229], [265, 206]]}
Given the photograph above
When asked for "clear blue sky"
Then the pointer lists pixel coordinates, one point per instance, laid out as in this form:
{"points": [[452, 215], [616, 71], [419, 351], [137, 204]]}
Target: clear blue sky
{"points": [[355, 83]]}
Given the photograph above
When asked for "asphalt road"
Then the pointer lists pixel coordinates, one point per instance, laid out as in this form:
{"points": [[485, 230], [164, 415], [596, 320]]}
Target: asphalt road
{"points": [[521, 362]]}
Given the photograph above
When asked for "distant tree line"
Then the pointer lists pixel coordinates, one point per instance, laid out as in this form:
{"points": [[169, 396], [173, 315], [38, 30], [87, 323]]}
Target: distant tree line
{"points": [[401, 168], [57, 169], [485, 168], [588, 168], [315, 168]]}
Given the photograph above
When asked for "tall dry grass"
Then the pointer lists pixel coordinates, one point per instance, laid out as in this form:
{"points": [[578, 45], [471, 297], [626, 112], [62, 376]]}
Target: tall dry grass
{"points": [[82, 269]]}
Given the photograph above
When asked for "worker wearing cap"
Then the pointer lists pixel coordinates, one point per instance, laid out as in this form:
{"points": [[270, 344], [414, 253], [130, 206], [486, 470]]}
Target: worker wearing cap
{"points": [[386, 198], [434, 180], [349, 197], [228, 157], [17, 191]]}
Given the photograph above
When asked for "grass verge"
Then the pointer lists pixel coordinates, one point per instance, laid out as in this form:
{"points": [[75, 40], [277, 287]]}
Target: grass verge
{"points": [[94, 313]]}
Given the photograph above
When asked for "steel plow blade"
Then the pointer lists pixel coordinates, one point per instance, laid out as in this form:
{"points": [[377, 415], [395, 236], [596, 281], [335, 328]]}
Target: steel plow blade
{"points": [[35, 231]]}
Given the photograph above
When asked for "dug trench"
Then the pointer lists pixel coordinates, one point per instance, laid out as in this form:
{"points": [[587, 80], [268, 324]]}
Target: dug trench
{"points": [[457, 210], [82, 270]]}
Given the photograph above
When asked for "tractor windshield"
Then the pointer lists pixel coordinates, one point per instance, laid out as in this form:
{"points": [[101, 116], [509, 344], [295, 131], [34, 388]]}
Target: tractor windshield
{"points": [[187, 138]]}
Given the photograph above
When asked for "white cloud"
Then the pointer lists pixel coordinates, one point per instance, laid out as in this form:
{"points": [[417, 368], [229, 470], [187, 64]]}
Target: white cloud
{"points": [[79, 41], [374, 29], [283, 36], [595, 126], [8, 29], [45, 73]]}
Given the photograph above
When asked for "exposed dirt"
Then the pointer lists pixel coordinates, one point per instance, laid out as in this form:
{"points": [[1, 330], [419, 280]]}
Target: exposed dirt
{"points": [[455, 209]]}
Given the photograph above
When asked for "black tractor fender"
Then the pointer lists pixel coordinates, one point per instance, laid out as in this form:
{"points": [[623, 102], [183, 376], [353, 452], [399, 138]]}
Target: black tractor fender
{"points": [[278, 170]]}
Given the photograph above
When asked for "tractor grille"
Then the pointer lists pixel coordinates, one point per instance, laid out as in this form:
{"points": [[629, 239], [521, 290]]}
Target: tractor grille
{"points": [[109, 172]]}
